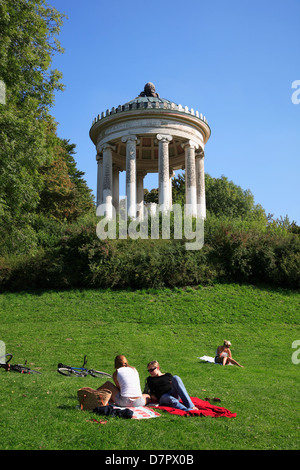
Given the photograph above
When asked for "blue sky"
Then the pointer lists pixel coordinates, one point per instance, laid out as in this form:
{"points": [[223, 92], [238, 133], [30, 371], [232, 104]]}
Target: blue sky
{"points": [[234, 61]]}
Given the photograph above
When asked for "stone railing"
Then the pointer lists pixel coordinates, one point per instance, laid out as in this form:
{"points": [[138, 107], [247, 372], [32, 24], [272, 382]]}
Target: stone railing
{"points": [[149, 105]]}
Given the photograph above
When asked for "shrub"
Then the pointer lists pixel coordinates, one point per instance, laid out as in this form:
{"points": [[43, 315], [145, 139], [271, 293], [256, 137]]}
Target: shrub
{"points": [[74, 257]]}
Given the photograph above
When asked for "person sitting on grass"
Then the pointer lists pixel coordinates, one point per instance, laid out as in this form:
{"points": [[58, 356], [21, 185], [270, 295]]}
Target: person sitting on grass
{"points": [[167, 389], [127, 389], [223, 355]]}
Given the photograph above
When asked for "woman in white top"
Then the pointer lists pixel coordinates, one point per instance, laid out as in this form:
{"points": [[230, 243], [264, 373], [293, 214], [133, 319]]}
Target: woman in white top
{"points": [[127, 391]]}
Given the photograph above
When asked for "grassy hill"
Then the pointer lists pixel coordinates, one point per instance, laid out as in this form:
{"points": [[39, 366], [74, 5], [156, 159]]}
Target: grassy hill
{"points": [[173, 326]]}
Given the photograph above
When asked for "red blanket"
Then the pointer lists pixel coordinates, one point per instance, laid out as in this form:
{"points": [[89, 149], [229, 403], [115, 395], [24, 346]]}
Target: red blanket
{"points": [[204, 409]]}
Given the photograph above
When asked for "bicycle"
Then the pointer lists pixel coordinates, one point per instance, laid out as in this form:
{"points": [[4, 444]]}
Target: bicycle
{"points": [[21, 368], [70, 371]]}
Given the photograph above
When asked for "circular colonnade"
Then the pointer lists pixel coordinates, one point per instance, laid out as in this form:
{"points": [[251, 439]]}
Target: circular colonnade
{"points": [[149, 134]]}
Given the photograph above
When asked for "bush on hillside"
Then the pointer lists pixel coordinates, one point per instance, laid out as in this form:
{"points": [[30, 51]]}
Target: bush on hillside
{"points": [[233, 251]]}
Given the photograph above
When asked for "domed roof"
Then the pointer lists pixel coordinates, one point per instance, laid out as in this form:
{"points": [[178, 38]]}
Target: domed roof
{"points": [[149, 95], [149, 99], [146, 116]]}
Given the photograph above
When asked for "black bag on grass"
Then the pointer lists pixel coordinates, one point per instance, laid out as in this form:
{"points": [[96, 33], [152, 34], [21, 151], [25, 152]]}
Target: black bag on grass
{"points": [[109, 410]]}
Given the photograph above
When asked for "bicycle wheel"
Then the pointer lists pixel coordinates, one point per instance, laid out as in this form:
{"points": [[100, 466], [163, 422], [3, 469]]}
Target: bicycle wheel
{"points": [[69, 372], [99, 374]]}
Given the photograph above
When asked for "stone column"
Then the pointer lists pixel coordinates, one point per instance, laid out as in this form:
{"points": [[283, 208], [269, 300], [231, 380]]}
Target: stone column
{"points": [[131, 141], [172, 173], [99, 159], [140, 194], [115, 198], [190, 178], [200, 183], [107, 150], [163, 171]]}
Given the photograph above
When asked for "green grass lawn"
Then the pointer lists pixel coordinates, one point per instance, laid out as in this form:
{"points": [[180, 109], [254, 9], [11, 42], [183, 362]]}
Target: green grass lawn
{"points": [[174, 327]]}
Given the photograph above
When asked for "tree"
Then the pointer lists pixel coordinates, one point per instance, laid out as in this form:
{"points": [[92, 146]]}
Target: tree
{"points": [[178, 189], [223, 197], [28, 41], [151, 196], [65, 194], [28, 30]]}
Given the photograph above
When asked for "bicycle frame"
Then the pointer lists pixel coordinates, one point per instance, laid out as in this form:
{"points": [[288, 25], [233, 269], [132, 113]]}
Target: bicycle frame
{"points": [[23, 369], [80, 371]]}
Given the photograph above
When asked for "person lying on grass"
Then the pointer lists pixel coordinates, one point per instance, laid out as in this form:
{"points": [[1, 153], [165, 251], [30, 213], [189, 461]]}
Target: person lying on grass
{"points": [[167, 389], [223, 355], [127, 389]]}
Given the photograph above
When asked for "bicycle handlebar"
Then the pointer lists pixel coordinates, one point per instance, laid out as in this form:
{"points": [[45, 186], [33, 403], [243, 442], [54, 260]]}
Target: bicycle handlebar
{"points": [[6, 355]]}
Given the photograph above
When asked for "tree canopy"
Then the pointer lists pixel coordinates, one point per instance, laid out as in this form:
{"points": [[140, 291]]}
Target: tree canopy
{"points": [[28, 30], [223, 197], [31, 154]]}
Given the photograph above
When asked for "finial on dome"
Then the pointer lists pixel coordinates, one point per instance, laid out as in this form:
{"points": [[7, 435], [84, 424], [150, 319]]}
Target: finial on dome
{"points": [[149, 90]]}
